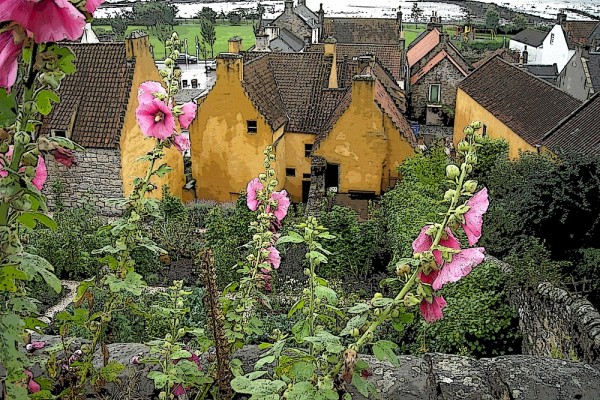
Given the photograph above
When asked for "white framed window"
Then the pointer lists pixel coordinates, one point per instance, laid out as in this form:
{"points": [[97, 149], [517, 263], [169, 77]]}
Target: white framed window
{"points": [[435, 92], [552, 38]]}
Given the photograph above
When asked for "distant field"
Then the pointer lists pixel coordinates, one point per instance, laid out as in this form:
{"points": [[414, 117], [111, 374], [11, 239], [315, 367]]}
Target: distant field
{"points": [[190, 31]]}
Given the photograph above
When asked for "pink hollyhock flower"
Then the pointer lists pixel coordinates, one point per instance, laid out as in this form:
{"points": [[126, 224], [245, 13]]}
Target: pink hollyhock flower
{"points": [[64, 156], [423, 243], [428, 279], [32, 386], [474, 216], [254, 186], [92, 5], [283, 203], [267, 278], [460, 266], [181, 143], [147, 89], [33, 346], [48, 20], [274, 257], [432, 311], [189, 113], [41, 174], [155, 119], [9, 54]]}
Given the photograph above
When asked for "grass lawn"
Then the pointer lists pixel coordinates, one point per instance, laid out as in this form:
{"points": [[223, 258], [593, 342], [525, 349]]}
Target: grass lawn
{"points": [[190, 31]]}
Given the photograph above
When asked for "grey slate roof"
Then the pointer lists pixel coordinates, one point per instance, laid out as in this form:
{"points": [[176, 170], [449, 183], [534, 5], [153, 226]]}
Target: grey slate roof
{"points": [[579, 132], [531, 37], [549, 73], [287, 42], [307, 15]]}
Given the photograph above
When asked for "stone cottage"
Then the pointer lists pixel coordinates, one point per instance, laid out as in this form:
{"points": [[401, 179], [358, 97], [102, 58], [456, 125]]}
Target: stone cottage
{"points": [[97, 111], [435, 69], [350, 112]]}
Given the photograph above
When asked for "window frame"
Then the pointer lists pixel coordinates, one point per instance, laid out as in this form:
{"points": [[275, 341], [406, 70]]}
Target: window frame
{"points": [[439, 92], [290, 172], [252, 126], [308, 149]]}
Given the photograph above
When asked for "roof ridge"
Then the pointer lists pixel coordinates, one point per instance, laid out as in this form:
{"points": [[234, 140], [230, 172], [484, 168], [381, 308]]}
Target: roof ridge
{"points": [[570, 116], [277, 85]]}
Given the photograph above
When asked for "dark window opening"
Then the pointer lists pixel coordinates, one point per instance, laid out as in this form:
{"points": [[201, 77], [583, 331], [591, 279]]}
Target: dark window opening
{"points": [[308, 150], [484, 132], [290, 172], [332, 175], [59, 133], [184, 83], [252, 126], [194, 83], [305, 176]]}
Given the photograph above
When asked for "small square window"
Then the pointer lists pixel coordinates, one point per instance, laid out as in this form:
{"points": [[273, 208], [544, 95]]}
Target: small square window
{"points": [[308, 147], [290, 172], [252, 126], [552, 38], [434, 93], [194, 83], [59, 133], [305, 176], [484, 131], [184, 83]]}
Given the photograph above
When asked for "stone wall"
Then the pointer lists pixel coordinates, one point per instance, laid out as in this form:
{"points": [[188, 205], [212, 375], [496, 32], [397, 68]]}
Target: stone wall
{"points": [[95, 179], [555, 323]]}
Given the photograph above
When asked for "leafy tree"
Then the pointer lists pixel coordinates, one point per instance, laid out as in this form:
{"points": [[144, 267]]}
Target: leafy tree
{"points": [[163, 32], [118, 23], [492, 20], [416, 13], [209, 34], [520, 22], [207, 13], [234, 18], [152, 12]]}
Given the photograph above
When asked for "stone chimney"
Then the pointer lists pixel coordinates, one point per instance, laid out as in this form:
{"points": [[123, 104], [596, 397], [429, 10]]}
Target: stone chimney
{"points": [[262, 43], [302, 3], [435, 22], [525, 55], [402, 40], [561, 17], [399, 16], [235, 45], [321, 14], [330, 50], [137, 45], [272, 31], [307, 42], [365, 61], [363, 90], [230, 67], [288, 7]]}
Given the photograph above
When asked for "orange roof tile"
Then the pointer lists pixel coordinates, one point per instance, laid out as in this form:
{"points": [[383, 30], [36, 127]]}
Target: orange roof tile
{"points": [[425, 45], [432, 63]]}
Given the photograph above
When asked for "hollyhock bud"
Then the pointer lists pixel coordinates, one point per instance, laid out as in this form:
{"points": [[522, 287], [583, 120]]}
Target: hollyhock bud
{"points": [[464, 146], [470, 186], [452, 171], [449, 195], [469, 131], [402, 269], [471, 159], [479, 139], [476, 124], [64, 156], [169, 62]]}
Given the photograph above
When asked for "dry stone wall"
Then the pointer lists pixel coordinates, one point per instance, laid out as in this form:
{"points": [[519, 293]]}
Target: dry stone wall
{"points": [[95, 179]]}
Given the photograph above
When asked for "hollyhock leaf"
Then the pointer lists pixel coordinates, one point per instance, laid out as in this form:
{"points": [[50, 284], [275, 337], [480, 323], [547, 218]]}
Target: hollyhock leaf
{"points": [[48, 20], [8, 106], [473, 218], [432, 311], [460, 266], [44, 101], [253, 187], [188, 114], [147, 89], [384, 351], [66, 59]]}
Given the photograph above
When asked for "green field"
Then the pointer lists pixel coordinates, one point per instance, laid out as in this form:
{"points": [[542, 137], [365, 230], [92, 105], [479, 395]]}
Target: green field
{"points": [[190, 31]]}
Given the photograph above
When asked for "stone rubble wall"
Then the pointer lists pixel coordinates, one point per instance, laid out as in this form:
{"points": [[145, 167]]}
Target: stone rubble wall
{"points": [[95, 179], [555, 323]]}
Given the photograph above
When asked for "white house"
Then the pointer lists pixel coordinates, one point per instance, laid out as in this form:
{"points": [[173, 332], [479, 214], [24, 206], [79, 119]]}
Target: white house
{"points": [[543, 48]]}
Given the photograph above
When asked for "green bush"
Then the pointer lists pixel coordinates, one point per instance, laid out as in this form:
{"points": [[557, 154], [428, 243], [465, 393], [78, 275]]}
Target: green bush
{"points": [[477, 320], [69, 248], [198, 212]]}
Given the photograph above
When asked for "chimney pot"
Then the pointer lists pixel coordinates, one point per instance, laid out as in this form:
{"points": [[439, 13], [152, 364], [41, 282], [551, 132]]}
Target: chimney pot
{"points": [[289, 6], [235, 45]]}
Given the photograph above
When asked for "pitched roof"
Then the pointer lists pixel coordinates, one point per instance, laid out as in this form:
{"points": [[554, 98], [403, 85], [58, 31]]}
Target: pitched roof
{"points": [[526, 104], [531, 37], [307, 15], [593, 64], [388, 55], [549, 73], [417, 39], [432, 63], [512, 56], [95, 99], [423, 47], [578, 32], [286, 42], [579, 132], [362, 30]]}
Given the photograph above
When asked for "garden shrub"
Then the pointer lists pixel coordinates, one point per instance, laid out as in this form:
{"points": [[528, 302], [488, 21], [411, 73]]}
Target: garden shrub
{"points": [[69, 248], [198, 212], [171, 207], [477, 321]]}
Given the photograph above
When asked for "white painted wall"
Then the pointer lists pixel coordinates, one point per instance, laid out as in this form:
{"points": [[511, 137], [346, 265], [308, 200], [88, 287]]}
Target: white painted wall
{"points": [[554, 49]]}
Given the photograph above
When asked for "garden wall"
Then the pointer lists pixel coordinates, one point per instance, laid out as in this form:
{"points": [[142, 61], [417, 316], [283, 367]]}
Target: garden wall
{"points": [[555, 323], [95, 179]]}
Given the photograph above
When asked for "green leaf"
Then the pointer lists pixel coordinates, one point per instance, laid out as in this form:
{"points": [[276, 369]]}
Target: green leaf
{"points": [[44, 101], [292, 237], [160, 379], [356, 322], [30, 219], [363, 386], [359, 308], [302, 371], [180, 354], [264, 360], [8, 277], [382, 302], [163, 170], [384, 350], [299, 304], [33, 264], [132, 283], [65, 60], [8, 107], [323, 292]]}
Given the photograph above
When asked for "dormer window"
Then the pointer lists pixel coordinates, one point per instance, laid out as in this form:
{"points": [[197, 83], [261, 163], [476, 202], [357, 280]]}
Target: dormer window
{"points": [[59, 133], [252, 126]]}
